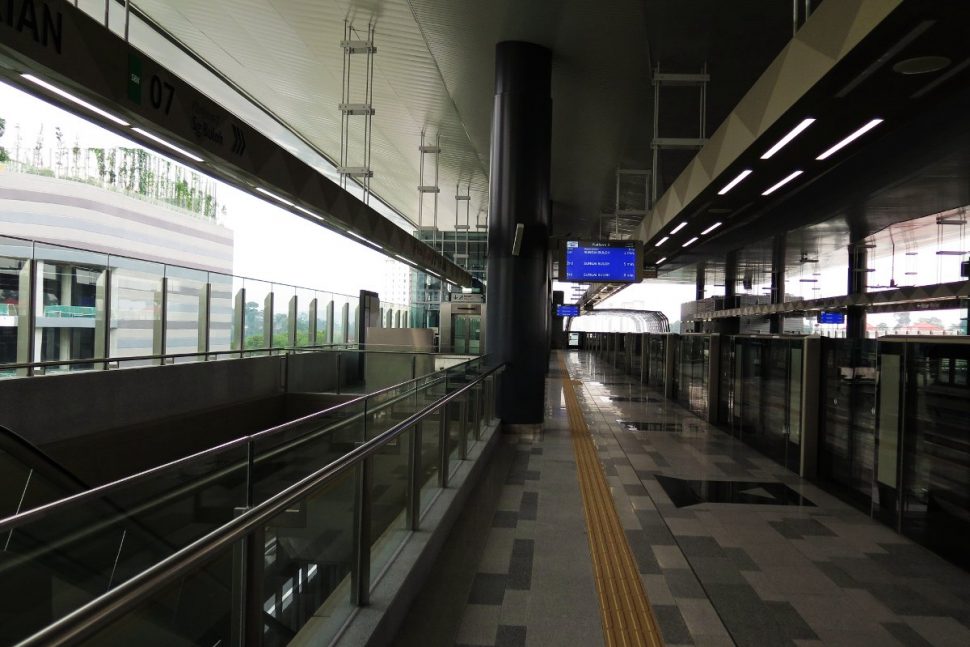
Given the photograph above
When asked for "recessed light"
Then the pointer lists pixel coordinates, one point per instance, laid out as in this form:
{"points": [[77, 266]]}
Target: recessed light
{"points": [[733, 183], [711, 228], [787, 138], [662, 241], [678, 228], [851, 138], [276, 197], [661, 260], [690, 242], [782, 183]]}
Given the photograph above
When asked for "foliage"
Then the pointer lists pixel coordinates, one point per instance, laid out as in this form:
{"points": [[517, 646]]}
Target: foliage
{"points": [[3, 153]]}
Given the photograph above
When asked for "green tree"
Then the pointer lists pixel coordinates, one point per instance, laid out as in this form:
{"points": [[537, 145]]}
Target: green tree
{"points": [[3, 152]]}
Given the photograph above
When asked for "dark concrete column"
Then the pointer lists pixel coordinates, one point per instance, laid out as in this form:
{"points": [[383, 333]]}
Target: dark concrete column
{"points": [[518, 292], [733, 325], [777, 281], [699, 278], [556, 333], [855, 316]]}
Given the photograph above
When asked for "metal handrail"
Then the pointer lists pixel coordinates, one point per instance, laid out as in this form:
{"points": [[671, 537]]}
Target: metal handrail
{"points": [[43, 511], [87, 619], [238, 352]]}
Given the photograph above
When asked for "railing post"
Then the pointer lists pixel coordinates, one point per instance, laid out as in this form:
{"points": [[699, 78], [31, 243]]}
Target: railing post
{"points": [[205, 315], [160, 328], [463, 406], [254, 556], [443, 446], [239, 340], [27, 318], [102, 317], [360, 572], [414, 479]]}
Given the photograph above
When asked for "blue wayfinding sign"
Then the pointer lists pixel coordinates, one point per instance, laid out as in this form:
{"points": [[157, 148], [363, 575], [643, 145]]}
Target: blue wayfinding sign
{"points": [[567, 311], [602, 261]]}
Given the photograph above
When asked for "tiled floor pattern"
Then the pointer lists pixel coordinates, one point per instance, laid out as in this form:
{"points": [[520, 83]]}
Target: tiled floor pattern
{"points": [[765, 574], [534, 586]]}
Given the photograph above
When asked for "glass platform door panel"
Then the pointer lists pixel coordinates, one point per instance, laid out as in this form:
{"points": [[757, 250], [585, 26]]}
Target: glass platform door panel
{"points": [[474, 334], [459, 334]]}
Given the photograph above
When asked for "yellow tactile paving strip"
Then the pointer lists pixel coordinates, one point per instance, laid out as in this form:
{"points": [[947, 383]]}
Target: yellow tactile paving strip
{"points": [[627, 618]]}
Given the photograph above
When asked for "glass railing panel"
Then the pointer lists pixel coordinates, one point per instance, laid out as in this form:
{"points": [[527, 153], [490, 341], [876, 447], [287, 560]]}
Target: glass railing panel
{"points": [[282, 295], [389, 498], [71, 290], [136, 309], [57, 563], [199, 609], [309, 551], [221, 311], [303, 299], [281, 458], [257, 333], [385, 368], [185, 300]]}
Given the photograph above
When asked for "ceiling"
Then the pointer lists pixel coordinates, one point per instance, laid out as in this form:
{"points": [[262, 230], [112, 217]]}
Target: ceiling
{"points": [[434, 72]]}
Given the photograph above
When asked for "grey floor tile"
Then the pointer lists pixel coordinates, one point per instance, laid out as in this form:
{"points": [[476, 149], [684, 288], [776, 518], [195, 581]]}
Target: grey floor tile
{"points": [[520, 565], [505, 519], [642, 552], [906, 634], [683, 583]]}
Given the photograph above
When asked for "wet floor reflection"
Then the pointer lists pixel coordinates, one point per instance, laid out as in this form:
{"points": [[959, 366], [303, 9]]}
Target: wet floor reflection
{"points": [[683, 492]]}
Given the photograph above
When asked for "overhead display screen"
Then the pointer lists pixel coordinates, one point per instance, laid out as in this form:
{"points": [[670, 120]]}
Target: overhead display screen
{"points": [[831, 317], [567, 311], [615, 261]]}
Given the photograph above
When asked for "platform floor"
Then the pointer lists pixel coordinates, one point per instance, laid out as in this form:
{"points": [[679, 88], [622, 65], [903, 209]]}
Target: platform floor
{"points": [[732, 548]]}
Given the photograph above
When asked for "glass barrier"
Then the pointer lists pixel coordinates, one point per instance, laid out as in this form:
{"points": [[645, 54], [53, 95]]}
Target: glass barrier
{"points": [[300, 566], [125, 312]]}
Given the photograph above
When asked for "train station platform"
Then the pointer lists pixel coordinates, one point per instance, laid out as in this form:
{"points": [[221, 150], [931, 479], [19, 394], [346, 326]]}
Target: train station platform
{"points": [[728, 546]]}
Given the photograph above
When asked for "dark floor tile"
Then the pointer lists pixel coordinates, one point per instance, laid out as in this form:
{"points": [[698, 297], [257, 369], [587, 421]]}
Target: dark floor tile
{"points": [[505, 519], [672, 624], [837, 575], [800, 528], [902, 600], [657, 534], [716, 570], [699, 546], [789, 622], [520, 565], [746, 616], [642, 551], [488, 588], [529, 506], [905, 634], [741, 559], [510, 636], [683, 583]]}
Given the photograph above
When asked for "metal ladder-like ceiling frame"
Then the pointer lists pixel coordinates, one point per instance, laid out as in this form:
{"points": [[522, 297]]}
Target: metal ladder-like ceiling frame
{"points": [[670, 79], [353, 45]]}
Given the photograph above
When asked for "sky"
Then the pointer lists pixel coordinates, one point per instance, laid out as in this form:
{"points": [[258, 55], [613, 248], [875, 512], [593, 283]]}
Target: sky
{"points": [[270, 243]]}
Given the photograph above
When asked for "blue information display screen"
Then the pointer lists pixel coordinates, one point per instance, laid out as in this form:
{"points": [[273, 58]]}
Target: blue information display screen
{"points": [[831, 317], [615, 261], [567, 311]]}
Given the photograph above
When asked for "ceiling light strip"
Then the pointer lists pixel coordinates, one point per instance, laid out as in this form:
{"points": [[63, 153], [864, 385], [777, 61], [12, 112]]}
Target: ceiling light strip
{"points": [[662, 241], [711, 228], [690, 242], [733, 183], [73, 99], [169, 145], [274, 196], [785, 181], [661, 260], [787, 138], [678, 228], [851, 138]]}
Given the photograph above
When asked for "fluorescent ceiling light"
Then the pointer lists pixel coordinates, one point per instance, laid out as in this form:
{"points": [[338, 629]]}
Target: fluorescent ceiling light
{"points": [[274, 196], [711, 228], [783, 183], [432, 273], [661, 260], [77, 100], [678, 228], [662, 241], [308, 212], [848, 140], [787, 138], [730, 185], [690, 242], [369, 242], [404, 259], [159, 140]]}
